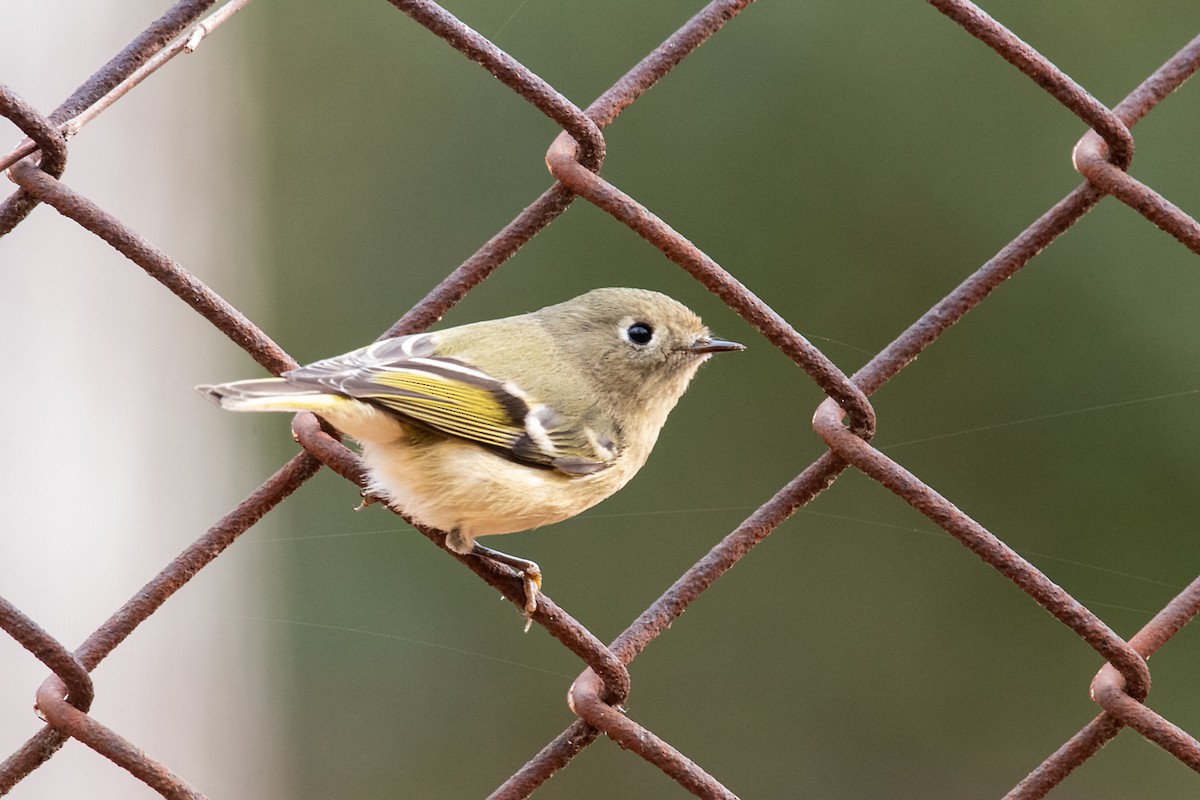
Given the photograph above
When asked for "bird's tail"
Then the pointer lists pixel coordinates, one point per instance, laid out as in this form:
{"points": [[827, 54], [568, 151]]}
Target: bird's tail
{"points": [[270, 394]]}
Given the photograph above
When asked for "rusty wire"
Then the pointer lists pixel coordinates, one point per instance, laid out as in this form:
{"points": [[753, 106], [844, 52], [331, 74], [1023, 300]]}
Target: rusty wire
{"points": [[845, 422]]}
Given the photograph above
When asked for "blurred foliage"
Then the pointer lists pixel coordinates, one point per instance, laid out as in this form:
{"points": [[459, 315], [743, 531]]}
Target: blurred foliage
{"points": [[851, 163]]}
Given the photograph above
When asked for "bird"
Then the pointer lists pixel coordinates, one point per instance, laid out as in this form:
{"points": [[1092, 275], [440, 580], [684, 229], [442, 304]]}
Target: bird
{"points": [[508, 424]]}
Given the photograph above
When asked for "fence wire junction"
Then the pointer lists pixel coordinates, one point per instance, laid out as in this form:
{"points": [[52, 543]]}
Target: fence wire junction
{"points": [[845, 421]]}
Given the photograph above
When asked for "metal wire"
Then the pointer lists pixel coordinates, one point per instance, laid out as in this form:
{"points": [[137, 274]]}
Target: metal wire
{"points": [[845, 422]]}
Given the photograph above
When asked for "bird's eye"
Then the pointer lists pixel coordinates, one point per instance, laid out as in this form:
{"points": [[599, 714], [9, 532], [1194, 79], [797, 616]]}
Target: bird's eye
{"points": [[640, 333]]}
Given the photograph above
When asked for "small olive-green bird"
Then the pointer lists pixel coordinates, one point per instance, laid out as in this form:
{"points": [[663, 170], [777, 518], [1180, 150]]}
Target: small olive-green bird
{"points": [[504, 425]]}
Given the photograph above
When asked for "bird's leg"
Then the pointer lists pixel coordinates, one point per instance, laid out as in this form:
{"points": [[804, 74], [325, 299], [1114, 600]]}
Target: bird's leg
{"points": [[531, 574]]}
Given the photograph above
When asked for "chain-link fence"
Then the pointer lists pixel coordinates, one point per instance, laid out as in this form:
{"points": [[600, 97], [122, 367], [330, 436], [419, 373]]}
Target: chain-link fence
{"points": [[845, 422]]}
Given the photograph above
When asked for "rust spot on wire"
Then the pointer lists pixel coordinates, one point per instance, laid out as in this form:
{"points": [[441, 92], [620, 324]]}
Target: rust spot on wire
{"points": [[137, 52], [78, 725], [586, 701], [794, 495], [50, 141], [154, 38], [148, 600], [1088, 741], [549, 760], [513, 74], [1075, 751], [1108, 691], [321, 444], [1090, 158], [1109, 686], [157, 264], [43, 133], [695, 32], [827, 422], [61, 661], [1039, 68]]}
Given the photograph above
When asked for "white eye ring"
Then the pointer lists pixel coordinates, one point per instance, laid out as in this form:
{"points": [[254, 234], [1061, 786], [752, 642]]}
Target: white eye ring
{"points": [[637, 332]]}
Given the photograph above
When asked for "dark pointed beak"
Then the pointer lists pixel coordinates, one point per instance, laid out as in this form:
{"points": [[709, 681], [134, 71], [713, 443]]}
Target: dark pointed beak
{"points": [[707, 344]]}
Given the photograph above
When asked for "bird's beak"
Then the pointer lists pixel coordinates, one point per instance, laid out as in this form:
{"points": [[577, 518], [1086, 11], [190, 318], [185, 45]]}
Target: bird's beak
{"points": [[707, 344]]}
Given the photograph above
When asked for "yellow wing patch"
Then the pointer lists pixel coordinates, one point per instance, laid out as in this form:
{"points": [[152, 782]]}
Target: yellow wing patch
{"points": [[450, 396], [461, 409]]}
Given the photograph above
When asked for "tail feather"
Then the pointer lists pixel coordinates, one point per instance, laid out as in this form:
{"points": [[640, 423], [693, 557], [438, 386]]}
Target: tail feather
{"points": [[269, 394]]}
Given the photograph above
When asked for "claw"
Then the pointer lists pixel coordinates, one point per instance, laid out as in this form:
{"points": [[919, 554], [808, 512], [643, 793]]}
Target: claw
{"points": [[531, 577], [365, 500]]}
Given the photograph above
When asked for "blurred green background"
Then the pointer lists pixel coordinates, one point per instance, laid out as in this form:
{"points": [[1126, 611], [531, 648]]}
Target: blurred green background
{"points": [[851, 163]]}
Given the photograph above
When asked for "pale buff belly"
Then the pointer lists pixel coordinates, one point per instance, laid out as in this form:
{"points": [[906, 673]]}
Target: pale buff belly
{"points": [[458, 486], [453, 485]]}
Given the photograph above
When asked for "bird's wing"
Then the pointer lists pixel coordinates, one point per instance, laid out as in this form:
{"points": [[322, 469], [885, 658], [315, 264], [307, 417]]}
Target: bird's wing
{"points": [[450, 396]]}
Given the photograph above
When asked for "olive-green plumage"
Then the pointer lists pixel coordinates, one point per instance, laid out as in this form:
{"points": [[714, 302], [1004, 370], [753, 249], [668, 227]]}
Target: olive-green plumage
{"points": [[508, 424]]}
